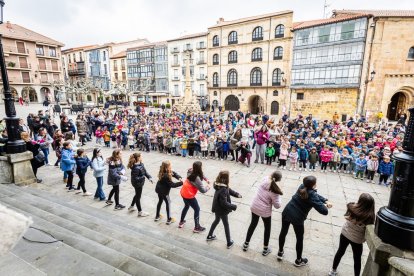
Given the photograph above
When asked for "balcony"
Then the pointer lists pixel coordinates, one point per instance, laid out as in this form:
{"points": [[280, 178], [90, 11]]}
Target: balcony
{"points": [[187, 48], [201, 61], [201, 77], [232, 42], [175, 78], [257, 59], [44, 81], [215, 63], [13, 66], [201, 46], [257, 38], [216, 44], [19, 80], [175, 51], [275, 83], [175, 64], [76, 72], [255, 84], [49, 68], [215, 85], [16, 51]]}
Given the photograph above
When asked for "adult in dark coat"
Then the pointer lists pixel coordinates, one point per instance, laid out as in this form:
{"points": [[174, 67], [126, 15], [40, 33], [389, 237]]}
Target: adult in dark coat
{"points": [[33, 147]]}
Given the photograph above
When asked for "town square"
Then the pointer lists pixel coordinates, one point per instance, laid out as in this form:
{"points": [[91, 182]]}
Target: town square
{"points": [[270, 141]]}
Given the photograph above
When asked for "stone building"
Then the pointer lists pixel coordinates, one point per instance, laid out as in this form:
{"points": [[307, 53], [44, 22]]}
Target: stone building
{"points": [[249, 63], [118, 65], [33, 62], [387, 82], [196, 46], [73, 61]]}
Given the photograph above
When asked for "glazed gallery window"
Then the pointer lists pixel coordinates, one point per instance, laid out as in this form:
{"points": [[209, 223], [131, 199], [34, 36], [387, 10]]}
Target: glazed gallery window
{"points": [[256, 77], [257, 34], [337, 75], [233, 57], [257, 54], [40, 51], [278, 53], [232, 78], [216, 41], [233, 37], [279, 31]]}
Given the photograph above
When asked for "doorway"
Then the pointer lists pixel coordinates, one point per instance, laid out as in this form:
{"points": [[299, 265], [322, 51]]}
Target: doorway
{"points": [[231, 103], [397, 106], [256, 105]]}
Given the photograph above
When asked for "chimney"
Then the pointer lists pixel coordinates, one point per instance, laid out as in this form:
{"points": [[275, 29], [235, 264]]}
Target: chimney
{"points": [[220, 20], [9, 25]]}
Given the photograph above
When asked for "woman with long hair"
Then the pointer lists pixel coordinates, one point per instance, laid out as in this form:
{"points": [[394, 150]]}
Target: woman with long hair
{"points": [[116, 174], [295, 213], [138, 175], [268, 195], [98, 166], [191, 186], [357, 217], [261, 137], [164, 184]]}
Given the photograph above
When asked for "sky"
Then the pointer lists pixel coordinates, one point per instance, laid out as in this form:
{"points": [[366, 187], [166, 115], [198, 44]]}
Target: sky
{"points": [[86, 22]]}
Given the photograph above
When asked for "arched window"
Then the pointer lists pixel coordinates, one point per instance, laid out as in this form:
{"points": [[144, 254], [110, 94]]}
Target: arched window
{"points": [[215, 59], [256, 77], [216, 41], [257, 54], [274, 108], [279, 31], [232, 77], [257, 34], [411, 53], [233, 57], [215, 80], [278, 53], [277, 77], [275, 93], [233, 37], [215, 93]]}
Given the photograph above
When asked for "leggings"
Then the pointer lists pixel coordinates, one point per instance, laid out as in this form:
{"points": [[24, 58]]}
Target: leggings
{"points": [[343, 165], [194, 204], [383, 177], [356, 250], [324, 165], [69, 183], [370, 175], [166, 199], [302, 164], [212, 153], [224, 218], [267, 228], [115, 190], [205, 153], [81, 183], [282, 163], [137, 197], [299, 231]]}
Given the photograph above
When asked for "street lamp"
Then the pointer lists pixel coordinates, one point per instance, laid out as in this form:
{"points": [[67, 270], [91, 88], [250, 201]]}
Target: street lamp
{"points": [[14, 143]]}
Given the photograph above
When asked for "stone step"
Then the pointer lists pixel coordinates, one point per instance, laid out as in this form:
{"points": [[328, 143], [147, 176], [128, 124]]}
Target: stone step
{"points": [[187, 249]]}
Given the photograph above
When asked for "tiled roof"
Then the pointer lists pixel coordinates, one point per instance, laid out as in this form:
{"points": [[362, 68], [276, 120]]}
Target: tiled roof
{"points": [[119, 55], [15, 31], [223, 23], [188, 36], [319, 22], [379, 13], [80, 48]]}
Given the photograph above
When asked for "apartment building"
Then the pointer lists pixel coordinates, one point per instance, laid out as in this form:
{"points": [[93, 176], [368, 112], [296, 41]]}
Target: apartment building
{"points": [[33, 62]]}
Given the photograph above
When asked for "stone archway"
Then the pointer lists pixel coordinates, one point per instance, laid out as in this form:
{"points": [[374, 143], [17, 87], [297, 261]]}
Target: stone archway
{"points": [[14, 92], [29, 93], [45, 93], [231, 103], [274, 108], [256, 104], [397, 106]]}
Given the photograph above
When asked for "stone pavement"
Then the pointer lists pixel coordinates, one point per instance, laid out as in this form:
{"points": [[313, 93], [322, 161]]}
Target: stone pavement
{"points": [[321, 232]]}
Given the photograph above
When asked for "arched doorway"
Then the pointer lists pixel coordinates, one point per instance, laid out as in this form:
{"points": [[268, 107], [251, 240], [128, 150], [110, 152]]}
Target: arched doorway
{"points": [[29, 93], [274, 108], [231, 103], [256, 104], [215, 104], [14, 94], [397, 106], [45, 93]]}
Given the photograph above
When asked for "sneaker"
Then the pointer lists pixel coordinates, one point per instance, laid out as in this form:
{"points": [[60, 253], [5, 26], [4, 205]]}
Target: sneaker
{"points": [[143, 214], [199, 229], [169, 221], [368, 181], [87, 194], [181, 224], [230, 244], [266, 251], [78, 191], [38, 180], [301, 262], [333, 272], [306, 170], [245, 246], [119, 207], [131, 208], [158, 218], [109, 202], [211, 238], [290, 169], [280, 255], [71, 189]]}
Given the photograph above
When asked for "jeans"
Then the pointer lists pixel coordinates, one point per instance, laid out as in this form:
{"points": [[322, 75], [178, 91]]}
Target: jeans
{"points": [[184, 152], [359, 173], [194, 204], [137, 197], [69, 183], [370, 175], [267, 228], [302, 164], [224, 218], [324, 165], [99, 191], [81, 183], [46, 153], [114, 191], [299, 232], [260, 150], [312, 166], [356, 250], [383, 177], [166, 199]]}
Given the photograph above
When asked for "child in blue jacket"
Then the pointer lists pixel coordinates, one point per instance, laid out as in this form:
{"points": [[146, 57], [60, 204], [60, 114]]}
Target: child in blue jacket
{"points": [[303, 155], [386, 168], [67, 164], [82, 164], [360, 166]]}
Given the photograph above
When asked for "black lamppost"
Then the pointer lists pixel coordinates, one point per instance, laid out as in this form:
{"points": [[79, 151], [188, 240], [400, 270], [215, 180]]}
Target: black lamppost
{"points": [[14, 143]]}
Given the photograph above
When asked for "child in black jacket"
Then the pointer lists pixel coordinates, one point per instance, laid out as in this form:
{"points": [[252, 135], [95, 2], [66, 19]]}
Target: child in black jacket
{"points": [[222, 206], [82, 164]]}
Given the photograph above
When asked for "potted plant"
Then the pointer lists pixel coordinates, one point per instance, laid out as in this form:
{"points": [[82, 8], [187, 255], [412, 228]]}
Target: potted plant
{"points": [[168, 106], [11, 64]]}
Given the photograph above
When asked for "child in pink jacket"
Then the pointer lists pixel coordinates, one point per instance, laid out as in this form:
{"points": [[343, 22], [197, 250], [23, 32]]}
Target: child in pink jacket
{"points": [[283, 156], [326, 156]]}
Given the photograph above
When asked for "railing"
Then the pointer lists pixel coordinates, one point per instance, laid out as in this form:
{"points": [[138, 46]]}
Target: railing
{"points": [[15, 50], [16, 80], [49, 68], [44, 81], [17, 67], [201, 77], [176, 78], [201, 61], [175, 51], [175, 64], [201, 46], [75, 72], [231, 42], [188, 48]]}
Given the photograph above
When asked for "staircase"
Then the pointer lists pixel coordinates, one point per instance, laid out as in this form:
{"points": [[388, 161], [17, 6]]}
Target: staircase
{"points": [[93, 242]]}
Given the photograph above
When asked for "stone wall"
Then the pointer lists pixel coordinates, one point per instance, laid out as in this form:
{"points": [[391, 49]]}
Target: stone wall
{"points": [[323, 103], [6, 172]]}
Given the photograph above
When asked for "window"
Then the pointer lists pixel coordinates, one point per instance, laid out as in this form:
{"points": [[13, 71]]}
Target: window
{"points": [[300, 96], [257, 34], [215, 80], [411, 53], [42, 64], [39, 50], [278, 53], [202, 90], [215, 93], [176, 92], [55, 66], [69, 59], [175, 62], [26, 77], [123, 76], [74, 57], [232, 57], [122, 64], [233, 37], [43, 78], [280, 31], [216, 41], [105, 69], [115, 65], [257, 54], [52, 51], [277, 77], [201, 56], [275, 93], [256, 77], [116, 76], [104, 55], [80, 56], [232, 78], [347, 31], [215, 59]]}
